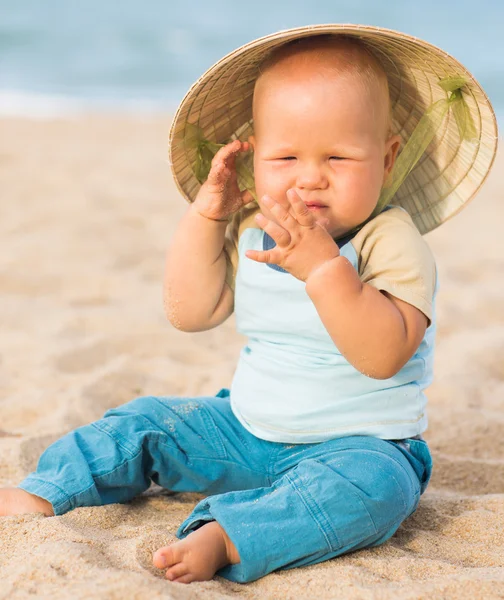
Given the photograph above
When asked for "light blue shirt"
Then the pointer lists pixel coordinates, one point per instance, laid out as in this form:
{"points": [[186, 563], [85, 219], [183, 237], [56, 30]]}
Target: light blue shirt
{"points": [[292, 384]]}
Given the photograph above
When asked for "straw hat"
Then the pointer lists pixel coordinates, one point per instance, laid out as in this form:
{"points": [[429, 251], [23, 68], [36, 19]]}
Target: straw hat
{"points": [[445, 178]]}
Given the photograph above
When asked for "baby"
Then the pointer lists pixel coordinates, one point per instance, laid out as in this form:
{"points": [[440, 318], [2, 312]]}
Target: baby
{"points": [[316, 449]]}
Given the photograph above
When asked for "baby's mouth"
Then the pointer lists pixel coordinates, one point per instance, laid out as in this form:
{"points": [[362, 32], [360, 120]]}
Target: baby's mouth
{"points": [[315, 206]]}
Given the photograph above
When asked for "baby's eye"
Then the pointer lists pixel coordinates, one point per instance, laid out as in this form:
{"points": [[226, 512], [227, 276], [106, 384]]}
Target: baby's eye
{"points": [[288, 158], [337, 158]]}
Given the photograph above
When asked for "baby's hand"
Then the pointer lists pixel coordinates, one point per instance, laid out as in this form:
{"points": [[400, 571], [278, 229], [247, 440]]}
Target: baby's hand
{"points": [[302, 242], [219, 196]]}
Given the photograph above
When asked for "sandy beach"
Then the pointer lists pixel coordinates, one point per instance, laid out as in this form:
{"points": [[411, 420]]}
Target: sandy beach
{"points": [[88, 206]]}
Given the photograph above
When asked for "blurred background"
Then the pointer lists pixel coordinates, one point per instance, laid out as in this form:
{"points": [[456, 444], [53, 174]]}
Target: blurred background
{"points": [[61, 56]]}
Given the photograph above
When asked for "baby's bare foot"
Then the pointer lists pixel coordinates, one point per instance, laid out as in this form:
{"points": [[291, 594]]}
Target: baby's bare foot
{"points": [[15, 501], [198, 556]]}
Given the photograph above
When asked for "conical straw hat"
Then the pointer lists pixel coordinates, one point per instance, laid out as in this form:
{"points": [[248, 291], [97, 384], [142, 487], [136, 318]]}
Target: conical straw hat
{"points": [[445, 178]]}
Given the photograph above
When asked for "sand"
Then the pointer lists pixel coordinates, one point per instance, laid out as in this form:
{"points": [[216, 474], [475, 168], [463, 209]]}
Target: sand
{"points": [[87, 209]]}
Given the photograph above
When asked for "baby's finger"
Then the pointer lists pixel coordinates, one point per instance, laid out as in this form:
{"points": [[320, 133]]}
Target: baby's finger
{"points": [[302, 213], [323, 222], [227, 153], [287, 220], [247, 197], [286, 204], [218, 175], [277, 233], [264, 256]]}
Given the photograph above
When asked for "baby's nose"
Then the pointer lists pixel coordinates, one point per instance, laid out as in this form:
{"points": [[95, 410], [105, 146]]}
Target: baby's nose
{"points": [[311, 176]]}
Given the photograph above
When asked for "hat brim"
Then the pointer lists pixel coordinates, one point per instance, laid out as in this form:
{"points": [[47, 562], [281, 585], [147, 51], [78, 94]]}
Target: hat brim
{"points": [[444, 180]]}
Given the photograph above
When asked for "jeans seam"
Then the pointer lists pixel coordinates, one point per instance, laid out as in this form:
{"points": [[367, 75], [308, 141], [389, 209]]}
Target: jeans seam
{"points": [[298, 491], [113, 433], [388, 475], [412, 481], [95, 477], [68, 500], [230, 461], [271, 472], [38, 479], [403, 499], [355, 494], [131, 455], [423, 484], [205, 415], [401, 466]]}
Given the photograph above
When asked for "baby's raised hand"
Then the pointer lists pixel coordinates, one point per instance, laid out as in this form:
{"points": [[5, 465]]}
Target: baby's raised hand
{"points": [[302, 242], [220, 196]]}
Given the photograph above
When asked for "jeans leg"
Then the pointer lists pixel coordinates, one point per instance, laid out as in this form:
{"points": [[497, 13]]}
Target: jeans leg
{"points": [[182, 444], [340, 499]]}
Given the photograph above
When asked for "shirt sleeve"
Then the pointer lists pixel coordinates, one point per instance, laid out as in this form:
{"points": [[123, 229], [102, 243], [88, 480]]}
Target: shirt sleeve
{"points": [[394, 257], [239, 221]]}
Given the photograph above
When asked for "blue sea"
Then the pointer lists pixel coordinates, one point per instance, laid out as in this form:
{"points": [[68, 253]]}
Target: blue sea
{"points": [[61, 56]]}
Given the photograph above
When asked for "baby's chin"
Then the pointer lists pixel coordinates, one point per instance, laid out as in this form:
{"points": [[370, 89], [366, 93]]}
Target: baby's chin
{"points": [[341, 226], [341, 231], [337, 234]]}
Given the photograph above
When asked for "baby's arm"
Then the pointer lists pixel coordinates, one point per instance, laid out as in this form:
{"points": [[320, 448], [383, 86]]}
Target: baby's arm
{"points": [[196, 297], [376, 332]]}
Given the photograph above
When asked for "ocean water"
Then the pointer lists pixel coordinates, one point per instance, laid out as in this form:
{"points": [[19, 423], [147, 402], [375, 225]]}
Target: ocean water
{"points": [[60, 56]]}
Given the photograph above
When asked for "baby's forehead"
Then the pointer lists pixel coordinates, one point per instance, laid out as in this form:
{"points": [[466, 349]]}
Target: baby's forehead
{"points": [[330, 57], [334, 60]]}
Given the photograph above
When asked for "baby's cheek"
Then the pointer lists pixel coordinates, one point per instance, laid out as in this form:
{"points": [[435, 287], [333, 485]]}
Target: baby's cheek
{"points": [[374, 178], [362, 190], [269, 180], [355, 204]]}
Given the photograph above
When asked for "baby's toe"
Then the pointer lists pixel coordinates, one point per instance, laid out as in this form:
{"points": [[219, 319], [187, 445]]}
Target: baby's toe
{"points": [[185, 578], [165, 557], [176, 571]]}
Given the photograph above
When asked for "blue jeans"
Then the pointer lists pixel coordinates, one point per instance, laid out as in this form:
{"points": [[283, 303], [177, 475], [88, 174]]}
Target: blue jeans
{"points": [[282, 505]]}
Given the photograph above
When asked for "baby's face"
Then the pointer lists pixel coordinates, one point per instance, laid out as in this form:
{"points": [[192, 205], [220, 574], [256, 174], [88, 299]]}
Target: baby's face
{"points": [[325, 137]]}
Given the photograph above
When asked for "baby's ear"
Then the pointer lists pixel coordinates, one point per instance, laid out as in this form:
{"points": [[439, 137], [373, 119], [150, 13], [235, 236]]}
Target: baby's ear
{"points": [[392, 148]]}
